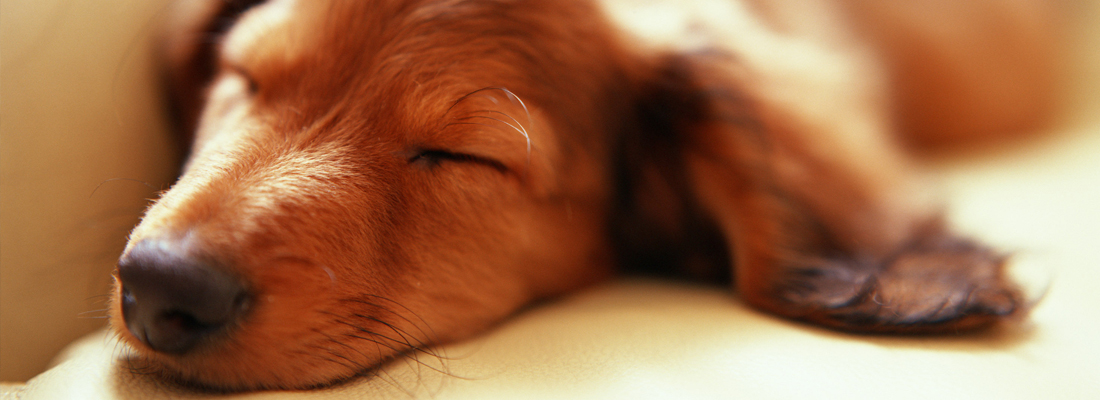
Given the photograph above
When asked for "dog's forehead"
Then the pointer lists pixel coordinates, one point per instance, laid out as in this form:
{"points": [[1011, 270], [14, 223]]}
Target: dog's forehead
{"points": [[267, 35], [341, 55], [482, 78]]}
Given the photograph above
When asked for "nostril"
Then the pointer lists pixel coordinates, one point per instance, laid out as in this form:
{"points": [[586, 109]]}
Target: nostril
{"points": [[172, 300]]}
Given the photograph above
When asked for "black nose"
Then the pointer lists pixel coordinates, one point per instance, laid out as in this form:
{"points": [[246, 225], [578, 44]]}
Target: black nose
{"points": [[171, 300]]}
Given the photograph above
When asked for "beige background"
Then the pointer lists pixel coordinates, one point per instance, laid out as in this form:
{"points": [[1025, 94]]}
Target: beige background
{"points": [[77, 110]]}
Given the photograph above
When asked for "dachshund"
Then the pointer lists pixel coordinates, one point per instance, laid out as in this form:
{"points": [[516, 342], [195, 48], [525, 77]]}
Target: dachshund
{"points": [[369, 178]]}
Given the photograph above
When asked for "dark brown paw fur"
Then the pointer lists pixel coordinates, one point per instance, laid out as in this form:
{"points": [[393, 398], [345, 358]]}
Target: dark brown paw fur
{"points": [[938, 284]]}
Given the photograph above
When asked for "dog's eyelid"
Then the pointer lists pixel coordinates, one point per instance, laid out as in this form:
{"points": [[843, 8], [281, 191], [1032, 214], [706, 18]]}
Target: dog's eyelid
{"points": [[434, 157], [253, 86]]}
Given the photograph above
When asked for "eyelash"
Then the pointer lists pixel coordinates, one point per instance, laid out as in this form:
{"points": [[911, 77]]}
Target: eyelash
{"points": [[433, 158]]}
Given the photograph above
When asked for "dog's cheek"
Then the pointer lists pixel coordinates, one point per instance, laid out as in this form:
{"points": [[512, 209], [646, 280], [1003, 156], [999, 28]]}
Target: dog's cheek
{"points": [[484, 245], [291, 338], [445, 257]]}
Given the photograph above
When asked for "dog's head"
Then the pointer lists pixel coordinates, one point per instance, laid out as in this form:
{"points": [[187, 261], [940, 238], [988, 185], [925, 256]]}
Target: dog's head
{"points": [[369, 177]]}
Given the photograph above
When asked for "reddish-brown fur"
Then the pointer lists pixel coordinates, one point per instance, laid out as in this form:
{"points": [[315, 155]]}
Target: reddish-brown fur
{"points": [[387, 175]]}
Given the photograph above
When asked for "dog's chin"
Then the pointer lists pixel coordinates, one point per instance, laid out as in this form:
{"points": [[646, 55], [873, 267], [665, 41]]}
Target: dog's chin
{"points": [[191, 378], [221, 371]]}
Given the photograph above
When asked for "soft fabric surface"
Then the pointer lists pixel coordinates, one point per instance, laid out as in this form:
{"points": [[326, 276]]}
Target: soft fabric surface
{"points": [[642, 339]]}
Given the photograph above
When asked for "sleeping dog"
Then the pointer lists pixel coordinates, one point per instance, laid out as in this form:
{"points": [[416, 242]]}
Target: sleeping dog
{"points": [[368, 178]]}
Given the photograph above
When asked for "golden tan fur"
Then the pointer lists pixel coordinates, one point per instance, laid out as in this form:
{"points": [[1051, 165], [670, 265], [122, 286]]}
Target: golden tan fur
{"points": [[385, 175]]}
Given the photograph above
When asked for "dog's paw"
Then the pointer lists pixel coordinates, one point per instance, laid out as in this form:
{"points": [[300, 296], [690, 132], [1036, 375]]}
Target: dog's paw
{"points": [[940, 284]]}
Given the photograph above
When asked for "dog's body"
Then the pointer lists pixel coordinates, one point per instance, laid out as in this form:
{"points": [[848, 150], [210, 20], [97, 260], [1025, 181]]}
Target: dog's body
{"points": [[371, 177]]}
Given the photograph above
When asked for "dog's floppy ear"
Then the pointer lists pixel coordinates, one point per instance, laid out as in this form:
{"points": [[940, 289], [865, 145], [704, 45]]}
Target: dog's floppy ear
{"points": [[193, 32], [821, 227], [657, 225]]}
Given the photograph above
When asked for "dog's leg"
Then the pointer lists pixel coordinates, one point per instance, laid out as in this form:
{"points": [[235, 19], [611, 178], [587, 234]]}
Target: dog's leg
{"points": [[824, 217]]}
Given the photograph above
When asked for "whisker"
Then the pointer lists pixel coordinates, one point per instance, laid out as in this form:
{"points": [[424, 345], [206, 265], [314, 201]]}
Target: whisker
{"points": [[105, 181], [399, 352], [400, 332], [467, 95], [469, 123], [395, 383], [518, 127], [395, 349], [407, 350], [415, 350], [420, 347], [514, 127], [526, 111], [349, 363], [443, 369], [431, 335], [512, 97]]}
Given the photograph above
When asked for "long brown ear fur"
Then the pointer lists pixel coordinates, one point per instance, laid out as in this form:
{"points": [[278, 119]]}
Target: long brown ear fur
{"points": [[658, 226], [832, 237], [795, 157]]}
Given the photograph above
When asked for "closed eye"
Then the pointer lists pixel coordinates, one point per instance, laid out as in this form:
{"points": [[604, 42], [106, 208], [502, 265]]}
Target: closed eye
{"points": [[431, 158], [253, 86]]}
